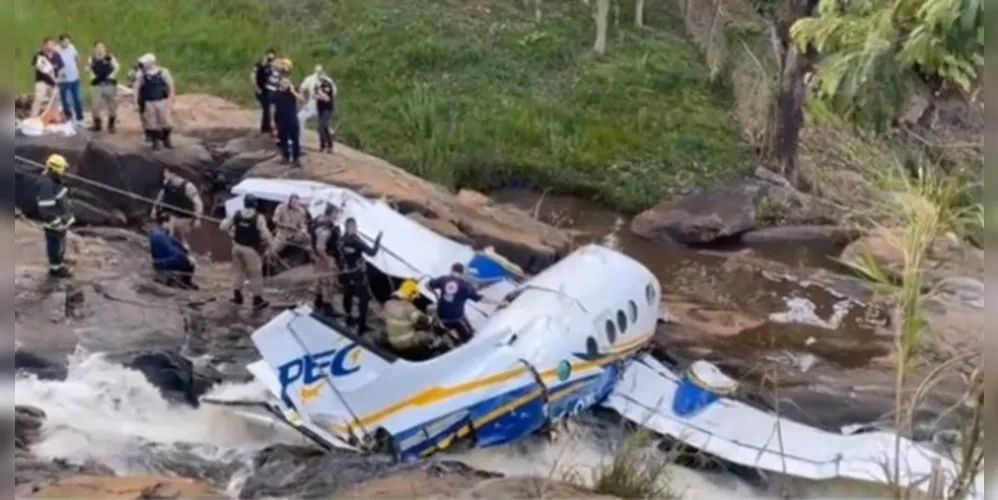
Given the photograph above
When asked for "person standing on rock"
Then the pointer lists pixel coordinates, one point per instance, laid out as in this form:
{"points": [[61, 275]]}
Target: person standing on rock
{"points": [[69, 84], [291, 224], [286, 101], [250, 236], [265, 79], [325, 106], [179, 200], [56, 211], [326, 248], [307, 89], [154, 89], [48, 69], [103, 72]]}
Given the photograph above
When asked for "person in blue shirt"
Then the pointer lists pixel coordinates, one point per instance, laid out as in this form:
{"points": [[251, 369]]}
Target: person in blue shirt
{"points": [[453, 292], [170, 259]]}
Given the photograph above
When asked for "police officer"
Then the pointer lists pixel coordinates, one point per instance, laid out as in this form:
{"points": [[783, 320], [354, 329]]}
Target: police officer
{"points": [[264, 79], [326, 247], [103, 69], [353, 273], [56, 211], [250, 238], [291, 224], [325, 106], [407, 328], [180, 200], [453, 292], [286, 101], [155, 91]]}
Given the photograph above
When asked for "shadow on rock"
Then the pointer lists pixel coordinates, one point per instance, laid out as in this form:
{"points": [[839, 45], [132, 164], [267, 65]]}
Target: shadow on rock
{"points": [[179, 379], [26, 362]]}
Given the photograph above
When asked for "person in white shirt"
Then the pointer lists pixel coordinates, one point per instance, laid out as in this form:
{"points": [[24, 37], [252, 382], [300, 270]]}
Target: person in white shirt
{"points": [[69, 83], [307, 91]]}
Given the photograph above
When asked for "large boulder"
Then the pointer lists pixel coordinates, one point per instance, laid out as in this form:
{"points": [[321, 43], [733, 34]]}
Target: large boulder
{"points": [[945, 256], [703, 217], [283, 471]]}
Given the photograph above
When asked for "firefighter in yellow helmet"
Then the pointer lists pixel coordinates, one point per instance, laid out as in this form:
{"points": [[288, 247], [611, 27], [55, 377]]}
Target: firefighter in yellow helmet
{"points": [[408, 330], [56, 212]]}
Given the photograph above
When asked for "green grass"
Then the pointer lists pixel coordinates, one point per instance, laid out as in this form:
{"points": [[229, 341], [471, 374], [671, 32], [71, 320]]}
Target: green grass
{"points": [[467, 93]]}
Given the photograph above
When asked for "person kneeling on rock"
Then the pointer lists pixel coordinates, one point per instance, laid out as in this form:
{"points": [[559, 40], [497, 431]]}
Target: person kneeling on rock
{"points": [[170, 258], [250, 235]]}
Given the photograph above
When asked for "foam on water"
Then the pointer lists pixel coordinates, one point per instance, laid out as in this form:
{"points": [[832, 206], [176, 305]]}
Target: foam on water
{"points": [[111, 414]]}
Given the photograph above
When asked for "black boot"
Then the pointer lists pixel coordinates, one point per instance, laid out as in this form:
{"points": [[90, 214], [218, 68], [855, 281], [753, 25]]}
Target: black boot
{"points": [[149, 136], [165, 135], [97, 126], [259, 303], [61, 272], [154, 139], [237, 297], [110, 124], [188, 281]]}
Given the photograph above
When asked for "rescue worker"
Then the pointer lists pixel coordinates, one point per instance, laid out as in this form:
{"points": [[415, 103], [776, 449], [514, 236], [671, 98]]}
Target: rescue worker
{"points": [[180, 201], [407, 328], [264, 79], [326, 250], [250, 239], [154, 89], [286, 101], [48, 66], [454, 291], [56, 211], [171, 260], [103, 71], [290, 224], [353, 273]]}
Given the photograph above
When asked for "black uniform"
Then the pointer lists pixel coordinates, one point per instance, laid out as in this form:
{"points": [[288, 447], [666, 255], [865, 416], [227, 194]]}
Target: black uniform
{"points": [[325, 111], [266, 78], [288, 127], [331, 246], [175, 200], [353, 277]]}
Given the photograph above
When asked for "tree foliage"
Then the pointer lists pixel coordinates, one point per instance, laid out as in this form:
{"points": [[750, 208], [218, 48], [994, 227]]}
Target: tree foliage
{"points": [[873, 50]]}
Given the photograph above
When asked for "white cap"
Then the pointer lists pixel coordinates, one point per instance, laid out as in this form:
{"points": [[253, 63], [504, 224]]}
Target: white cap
{"points": [[147, 58]]}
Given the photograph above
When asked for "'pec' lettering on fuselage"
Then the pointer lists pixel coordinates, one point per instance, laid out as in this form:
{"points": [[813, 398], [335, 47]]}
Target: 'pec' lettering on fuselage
{"points": [[310, 369]]}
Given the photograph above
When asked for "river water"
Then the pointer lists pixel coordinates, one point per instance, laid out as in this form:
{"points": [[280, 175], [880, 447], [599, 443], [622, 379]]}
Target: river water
{"points": [[113, 415]]}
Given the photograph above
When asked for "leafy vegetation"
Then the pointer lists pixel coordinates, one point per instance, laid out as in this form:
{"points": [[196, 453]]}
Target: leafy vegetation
{"points": [[476, 94], [872, 51], [637, 470]]}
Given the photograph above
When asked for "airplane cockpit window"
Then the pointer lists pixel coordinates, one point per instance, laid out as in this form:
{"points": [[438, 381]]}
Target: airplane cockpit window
{"points": [[611, 331], [650, 294], [632, 310]]}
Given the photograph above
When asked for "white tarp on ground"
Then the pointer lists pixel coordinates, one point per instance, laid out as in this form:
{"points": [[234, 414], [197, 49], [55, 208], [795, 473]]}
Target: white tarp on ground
{"points": [[33, 127], [748, 436]]}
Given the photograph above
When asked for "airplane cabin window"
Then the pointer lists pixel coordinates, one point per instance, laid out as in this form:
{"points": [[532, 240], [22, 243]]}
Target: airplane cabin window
{"points": [[611, 332], [621, 322], [632, 309], [650, 294]]}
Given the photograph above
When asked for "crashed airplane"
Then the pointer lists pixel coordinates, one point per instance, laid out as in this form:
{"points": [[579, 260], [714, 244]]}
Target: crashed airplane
{"points": [[570, 339]]}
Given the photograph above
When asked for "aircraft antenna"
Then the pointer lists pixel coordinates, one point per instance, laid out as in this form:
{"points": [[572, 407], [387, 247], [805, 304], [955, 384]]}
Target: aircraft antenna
{"points": [[329, 382]]}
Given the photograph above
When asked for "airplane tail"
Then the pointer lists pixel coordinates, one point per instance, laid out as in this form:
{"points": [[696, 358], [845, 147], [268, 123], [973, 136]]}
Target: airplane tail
{"points": [[318, 373]]}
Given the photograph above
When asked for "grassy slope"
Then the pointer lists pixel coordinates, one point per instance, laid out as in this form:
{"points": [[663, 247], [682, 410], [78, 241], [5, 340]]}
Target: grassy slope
{"points": [[468, 93]]}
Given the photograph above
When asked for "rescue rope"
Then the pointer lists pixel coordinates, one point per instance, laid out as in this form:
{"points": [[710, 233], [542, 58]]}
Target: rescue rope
{"points": [[21, 160]]}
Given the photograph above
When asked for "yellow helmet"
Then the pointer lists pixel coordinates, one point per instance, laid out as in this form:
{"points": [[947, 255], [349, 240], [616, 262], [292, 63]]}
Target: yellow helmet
{"points": [[407, 290], [285, 63], [56, 163]]}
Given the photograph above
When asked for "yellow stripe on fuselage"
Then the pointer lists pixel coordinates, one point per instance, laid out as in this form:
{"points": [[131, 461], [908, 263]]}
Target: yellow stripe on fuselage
{"points": [[437, 394]]}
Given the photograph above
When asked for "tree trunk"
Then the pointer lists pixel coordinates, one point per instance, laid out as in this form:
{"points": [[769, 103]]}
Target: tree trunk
{"points": [[537, 11], [639, 13], [786, 116], [602, 20]]}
